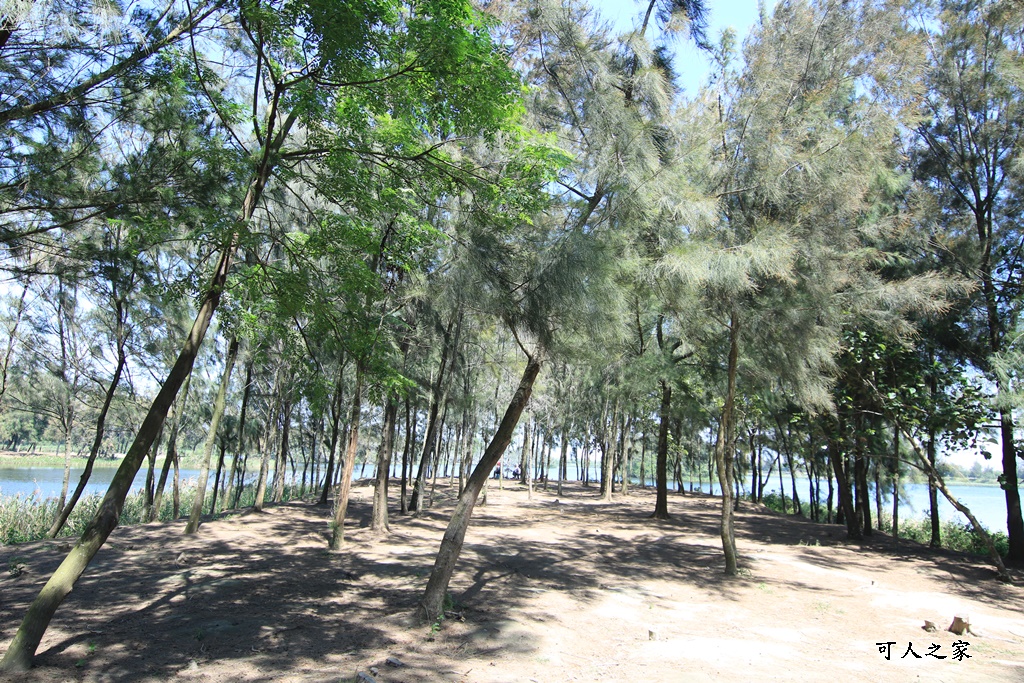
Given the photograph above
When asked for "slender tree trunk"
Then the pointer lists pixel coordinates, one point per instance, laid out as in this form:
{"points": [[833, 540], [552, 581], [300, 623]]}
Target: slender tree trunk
{"points": [[335, 431], [379, 522], [723, 451], [896, 486], [97, 441], [524, 456], [22, 649], [933, 493], [261, 483], [608, 456], [437, 399], [217, 477], [643, 461], [150, 492], [175, 489], [410, 437], [348, 466], [66, 480], [451, 544], [281, 468], [878, 499], [171, 457], [860, 482], [563, 455], [661, 465], [850, 517], [1011, 490], [218, 412], [227, 498], [437, 453]]}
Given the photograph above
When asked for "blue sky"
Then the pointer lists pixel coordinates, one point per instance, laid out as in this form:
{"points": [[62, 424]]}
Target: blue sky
{"points": [[691, 65]]}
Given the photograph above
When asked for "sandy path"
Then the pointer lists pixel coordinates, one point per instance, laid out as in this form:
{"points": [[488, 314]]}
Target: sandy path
{"points": [[569, 590]]}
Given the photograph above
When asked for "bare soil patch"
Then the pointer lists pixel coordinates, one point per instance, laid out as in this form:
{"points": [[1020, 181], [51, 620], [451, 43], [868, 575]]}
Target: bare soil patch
{"points": [[547, 589]]}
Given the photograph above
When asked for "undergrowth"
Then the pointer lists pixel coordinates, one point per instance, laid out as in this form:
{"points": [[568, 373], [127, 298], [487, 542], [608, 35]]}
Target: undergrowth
{"points": [[28, 518], [954, 535]]}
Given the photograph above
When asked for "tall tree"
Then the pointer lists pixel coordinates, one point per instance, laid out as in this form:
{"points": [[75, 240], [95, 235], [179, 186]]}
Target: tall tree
{"points": [[970, 157], [359, 83]]}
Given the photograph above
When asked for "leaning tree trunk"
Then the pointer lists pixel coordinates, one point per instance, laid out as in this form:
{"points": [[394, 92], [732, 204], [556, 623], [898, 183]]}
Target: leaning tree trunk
{"points": [[335, 431], [170, 458], [348, 466], [211, 438], [437, 399], [240, 446], [379, 523], [940, 483], [97, 441], [432, 604], [22, 649]]}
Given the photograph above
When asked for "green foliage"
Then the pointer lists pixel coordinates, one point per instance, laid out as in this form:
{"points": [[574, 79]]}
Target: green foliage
{"points": [[955, 535]]}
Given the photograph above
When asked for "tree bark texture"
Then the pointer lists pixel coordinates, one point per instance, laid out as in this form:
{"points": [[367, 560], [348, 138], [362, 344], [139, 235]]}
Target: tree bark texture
{"points": [[23, 647], [432, 604], [348, 466], [379, 523]]}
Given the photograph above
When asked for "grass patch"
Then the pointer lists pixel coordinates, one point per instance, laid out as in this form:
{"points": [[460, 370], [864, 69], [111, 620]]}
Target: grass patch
{"points": [[28, 518]]}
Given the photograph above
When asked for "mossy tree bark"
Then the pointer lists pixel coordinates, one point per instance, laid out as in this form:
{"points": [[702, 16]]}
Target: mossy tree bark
{"points": [[432, 604]]}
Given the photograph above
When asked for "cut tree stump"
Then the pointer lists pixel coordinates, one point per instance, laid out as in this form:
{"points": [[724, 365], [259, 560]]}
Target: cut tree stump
{"points": [[961, 625]]}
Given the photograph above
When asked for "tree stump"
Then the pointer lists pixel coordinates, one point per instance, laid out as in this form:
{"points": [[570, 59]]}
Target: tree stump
{"points": [[961, 625]]}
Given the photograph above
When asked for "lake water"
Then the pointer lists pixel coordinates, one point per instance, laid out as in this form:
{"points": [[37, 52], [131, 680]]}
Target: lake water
{"points": [[987, 503], [45, 482]]}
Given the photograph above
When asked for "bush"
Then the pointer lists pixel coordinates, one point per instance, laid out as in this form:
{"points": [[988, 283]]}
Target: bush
{"points": [[954, 535]]}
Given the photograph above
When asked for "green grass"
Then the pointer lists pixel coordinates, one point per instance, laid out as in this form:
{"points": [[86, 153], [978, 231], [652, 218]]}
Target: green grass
{"points": [[186, 460], [27, 518]]}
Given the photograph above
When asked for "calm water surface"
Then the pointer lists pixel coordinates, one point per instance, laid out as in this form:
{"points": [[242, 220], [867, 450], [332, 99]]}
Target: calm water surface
{"points": [[986, 502]]}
